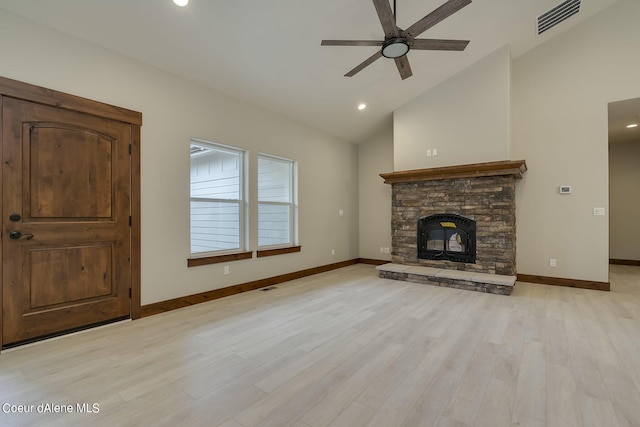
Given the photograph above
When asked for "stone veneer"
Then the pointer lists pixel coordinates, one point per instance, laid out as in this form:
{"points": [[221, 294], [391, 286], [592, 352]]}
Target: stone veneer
{"points": [[483, 192], [481, 282]]}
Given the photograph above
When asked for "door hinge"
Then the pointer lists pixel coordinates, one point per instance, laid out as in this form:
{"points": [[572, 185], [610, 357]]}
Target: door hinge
{"points": [[130, 221], [130, 149]]}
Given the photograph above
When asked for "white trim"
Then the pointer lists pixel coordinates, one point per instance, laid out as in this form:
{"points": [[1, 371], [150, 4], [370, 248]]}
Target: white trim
{"points": [[241, 201], [292, 204]]}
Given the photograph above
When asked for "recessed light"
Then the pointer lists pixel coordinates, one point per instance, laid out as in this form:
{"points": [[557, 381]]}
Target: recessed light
{"points": [[632, 125], [362, 106], [181, 3]]}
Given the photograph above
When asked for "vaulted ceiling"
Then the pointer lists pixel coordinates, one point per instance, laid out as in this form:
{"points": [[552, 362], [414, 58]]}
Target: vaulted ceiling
{"points": [[268, 53]]}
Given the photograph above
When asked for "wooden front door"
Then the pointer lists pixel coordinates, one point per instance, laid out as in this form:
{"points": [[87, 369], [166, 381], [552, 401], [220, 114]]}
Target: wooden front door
{"points": [[66, 203]]}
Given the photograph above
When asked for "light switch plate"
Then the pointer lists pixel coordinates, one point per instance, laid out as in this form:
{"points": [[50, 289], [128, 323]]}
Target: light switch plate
{"points": [[598, 211]]}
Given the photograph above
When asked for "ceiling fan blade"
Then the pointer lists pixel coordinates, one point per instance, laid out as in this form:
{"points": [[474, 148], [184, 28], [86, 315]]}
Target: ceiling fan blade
{"points": [[351, 43], [444, 11], [438, 44], [403, 67], [388, 21], [366, 63]]}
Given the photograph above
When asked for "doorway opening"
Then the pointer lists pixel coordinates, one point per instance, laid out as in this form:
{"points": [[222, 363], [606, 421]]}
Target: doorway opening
{"points": [[624, 181]]}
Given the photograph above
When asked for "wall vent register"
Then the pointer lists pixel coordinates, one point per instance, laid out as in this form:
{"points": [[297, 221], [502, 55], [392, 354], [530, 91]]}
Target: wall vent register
{"points": [[558, 14]]}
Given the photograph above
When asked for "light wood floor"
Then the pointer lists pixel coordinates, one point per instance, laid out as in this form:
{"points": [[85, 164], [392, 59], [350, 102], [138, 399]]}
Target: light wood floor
{"points": [[346, 348]]}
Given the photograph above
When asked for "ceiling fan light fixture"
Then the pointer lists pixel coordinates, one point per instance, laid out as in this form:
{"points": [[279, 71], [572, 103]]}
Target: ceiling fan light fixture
{"points": [[181, 3], [395, 47], [398, 42]]}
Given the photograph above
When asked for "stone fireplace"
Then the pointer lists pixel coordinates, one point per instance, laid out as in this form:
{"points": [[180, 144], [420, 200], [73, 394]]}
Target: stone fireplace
{"points": [[456, 219]]}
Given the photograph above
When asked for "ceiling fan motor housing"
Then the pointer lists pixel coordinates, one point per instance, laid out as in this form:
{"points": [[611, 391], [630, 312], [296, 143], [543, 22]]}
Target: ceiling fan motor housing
{"points": [[395, 47]]}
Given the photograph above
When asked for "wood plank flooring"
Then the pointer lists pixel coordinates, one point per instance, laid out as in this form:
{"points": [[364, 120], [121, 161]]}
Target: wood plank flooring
{"points": [[347, 349]]}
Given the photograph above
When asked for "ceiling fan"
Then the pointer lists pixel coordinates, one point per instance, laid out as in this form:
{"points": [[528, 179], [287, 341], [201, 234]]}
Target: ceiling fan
{"points": [[398, 42]]}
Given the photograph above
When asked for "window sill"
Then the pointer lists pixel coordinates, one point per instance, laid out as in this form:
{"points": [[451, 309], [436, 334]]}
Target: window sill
{"points": [[215, 259], [278, 251]]}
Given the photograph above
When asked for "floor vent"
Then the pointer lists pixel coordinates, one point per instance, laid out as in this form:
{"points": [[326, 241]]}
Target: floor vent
{"points": [[558, 14]]}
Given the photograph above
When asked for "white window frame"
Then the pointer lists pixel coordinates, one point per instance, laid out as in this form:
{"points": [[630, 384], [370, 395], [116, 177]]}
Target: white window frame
{"points": [[293, 202], [241, 202]]}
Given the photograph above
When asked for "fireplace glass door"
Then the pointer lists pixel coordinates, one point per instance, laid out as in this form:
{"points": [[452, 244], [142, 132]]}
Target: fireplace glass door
{"points": [[447, 240], [447, 237]]}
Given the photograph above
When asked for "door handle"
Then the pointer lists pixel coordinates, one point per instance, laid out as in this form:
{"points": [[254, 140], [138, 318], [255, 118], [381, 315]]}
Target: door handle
{"points": [[15, 235]]}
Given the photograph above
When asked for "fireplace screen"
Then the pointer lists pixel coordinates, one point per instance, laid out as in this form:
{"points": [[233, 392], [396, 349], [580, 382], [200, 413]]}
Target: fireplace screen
{"points": [[447, 237]]}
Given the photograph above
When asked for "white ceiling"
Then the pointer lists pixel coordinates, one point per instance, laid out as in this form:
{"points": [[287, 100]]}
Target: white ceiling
{"points": [[268, 53]]}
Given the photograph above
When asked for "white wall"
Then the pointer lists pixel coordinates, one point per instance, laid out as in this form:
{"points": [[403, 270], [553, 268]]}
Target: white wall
{"points": [[624, 200], [559, 95], [375, 157], [466, 118], [174, 110], [558, 116], [561, 92]]}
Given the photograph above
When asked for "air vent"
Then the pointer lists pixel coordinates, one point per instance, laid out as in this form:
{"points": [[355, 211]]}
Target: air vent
{"points": [[558, 14]]}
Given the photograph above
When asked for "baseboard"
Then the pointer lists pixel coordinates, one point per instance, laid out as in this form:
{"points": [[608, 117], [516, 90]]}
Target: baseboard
{"points": [[173, 304], [572, 283], [624, 262], [371, 261]]}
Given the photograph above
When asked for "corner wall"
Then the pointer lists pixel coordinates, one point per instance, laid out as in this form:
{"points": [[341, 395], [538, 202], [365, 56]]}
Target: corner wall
{"points": [[624, 200], [554, 106], [375, 157], [561, 91]]}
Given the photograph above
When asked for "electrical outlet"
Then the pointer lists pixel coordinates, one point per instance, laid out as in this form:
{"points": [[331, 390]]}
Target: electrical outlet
{"points": [[333, 251], [429, 151], [226, 270], [341, 212], [386, 250], [552, 262]]}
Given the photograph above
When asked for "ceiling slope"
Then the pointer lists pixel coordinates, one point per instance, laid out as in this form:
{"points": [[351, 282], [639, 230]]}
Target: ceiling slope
{"points": [[268, 53]]}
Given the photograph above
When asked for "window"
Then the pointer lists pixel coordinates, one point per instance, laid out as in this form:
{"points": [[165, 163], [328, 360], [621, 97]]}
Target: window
{"points": [[276, 202], [217, 198]]}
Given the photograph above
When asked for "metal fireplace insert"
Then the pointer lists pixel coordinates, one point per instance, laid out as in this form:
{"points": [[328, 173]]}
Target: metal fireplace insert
{"points": [[447, 237]]}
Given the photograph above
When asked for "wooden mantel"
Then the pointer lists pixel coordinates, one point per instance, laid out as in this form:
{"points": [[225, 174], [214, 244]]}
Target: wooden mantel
{"points": [[514, 168]]}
